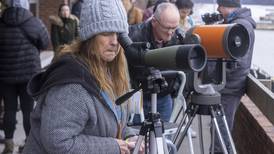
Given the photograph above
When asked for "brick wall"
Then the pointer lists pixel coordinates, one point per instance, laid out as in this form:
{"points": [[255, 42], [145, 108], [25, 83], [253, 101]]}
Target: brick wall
{"points": [[253, 133], [47, 8]]}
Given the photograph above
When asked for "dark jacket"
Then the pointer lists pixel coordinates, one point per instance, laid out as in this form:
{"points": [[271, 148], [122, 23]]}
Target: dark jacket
{"points": [[71, 116], [143, 33], [63, 30], [22, 36], [236, 73], [76, 8]]}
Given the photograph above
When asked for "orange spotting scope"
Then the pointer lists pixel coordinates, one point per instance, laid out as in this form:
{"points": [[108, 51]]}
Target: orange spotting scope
{"points": [[225, 41]]}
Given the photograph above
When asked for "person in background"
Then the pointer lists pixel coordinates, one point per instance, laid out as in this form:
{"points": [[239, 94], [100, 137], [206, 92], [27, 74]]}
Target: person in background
{"points": [[159, 31], [64, 27], [134, 14], [236, 72], [151, 7], [186, 9], [2, 7], [76, 8], [22, 38], [76, 110]]}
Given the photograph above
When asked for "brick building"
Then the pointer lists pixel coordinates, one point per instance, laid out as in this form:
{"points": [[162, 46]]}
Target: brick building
{"points": [[44, 8]]}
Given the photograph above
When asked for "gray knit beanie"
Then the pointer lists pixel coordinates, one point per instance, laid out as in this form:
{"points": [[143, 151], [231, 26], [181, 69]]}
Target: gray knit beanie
{"points": [[98, 16], [18, 3], [229, 3]]}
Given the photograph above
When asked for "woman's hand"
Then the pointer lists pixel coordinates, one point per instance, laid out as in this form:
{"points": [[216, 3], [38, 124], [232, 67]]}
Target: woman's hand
{"points": [[123, 146], [131, 142]]}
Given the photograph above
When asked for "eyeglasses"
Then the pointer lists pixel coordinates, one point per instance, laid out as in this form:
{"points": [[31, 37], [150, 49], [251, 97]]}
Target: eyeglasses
{"points": [[167, 29]]}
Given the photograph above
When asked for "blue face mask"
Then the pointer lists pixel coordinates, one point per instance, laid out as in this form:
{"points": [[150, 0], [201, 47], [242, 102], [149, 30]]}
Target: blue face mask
{"points": [[231, 16]]}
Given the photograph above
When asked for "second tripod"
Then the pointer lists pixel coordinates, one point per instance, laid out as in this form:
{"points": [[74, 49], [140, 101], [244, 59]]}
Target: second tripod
{"points": [[208, 103], [153, 124]]}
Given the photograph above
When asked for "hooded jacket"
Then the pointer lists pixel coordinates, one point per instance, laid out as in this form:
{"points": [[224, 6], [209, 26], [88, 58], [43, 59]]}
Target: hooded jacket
{"points": [[71, 116], [22, 37], [236, 75], [63, 30]]}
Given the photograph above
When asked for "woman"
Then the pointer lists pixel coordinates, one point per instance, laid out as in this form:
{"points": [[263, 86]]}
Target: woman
{"points": [[134, 14], [75, 110], [22, 37], [64, 27], [186, 9]]}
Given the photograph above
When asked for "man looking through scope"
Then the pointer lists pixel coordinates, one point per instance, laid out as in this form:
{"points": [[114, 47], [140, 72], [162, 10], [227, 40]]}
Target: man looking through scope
{"points": [[159, 31], [236, 72]]}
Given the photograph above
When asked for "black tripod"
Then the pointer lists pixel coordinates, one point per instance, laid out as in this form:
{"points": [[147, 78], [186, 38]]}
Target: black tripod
{"points": [[153, 124], [206, 101]]}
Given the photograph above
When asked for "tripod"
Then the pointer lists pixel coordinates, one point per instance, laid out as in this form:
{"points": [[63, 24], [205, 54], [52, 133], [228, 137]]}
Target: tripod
{"points": [[206, 101], [153, 124]]}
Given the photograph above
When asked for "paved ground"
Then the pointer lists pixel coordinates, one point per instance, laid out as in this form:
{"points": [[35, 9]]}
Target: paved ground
{"points": [[19, 135], [185, 149]]}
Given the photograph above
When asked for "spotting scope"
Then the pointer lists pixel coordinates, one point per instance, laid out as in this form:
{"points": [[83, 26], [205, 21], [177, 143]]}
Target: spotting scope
{"points": [[189, 57], [222, 41]]}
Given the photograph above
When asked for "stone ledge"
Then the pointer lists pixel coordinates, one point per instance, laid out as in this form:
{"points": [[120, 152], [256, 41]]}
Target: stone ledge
{"points": [[253, 133]]}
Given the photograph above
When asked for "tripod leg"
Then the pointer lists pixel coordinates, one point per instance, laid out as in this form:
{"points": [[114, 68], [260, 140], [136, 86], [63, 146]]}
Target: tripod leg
{"points": [[213, 114], [152, 143], [228, 131], [201, 134], [192, 113], [177, 116], [189, 132], [161, 144], [212, 137], [138, 144], [142, 135], [165, 145], [181, 125], [189, 136]]}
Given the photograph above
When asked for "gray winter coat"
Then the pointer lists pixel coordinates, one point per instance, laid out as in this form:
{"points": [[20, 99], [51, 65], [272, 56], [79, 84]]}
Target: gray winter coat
{"points": [[236, 75], [68, 119]]}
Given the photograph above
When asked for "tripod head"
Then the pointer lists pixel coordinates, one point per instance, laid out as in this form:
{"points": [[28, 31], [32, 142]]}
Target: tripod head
{"points": [[209, 88], [153, 83]]}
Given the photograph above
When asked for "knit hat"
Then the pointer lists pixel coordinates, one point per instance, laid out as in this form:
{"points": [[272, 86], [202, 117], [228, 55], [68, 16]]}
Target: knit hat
{"points": [[18, 3], [98, 16], [229, 3]]}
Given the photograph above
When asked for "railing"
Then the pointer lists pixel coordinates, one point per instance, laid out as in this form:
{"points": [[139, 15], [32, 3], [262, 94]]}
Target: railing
{"points": [[253, 130], [262, 97]]}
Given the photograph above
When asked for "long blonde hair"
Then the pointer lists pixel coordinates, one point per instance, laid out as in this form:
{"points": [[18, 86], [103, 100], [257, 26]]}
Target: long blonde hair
{"points": [[112, 78]]}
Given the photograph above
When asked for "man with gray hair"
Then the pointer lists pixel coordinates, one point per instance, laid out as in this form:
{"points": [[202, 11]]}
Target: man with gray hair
{"points": [[159, 31]]}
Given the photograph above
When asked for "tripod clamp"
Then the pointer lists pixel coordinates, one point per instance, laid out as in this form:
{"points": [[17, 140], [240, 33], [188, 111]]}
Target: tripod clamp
{"points": [[153, 125], [154, 81]]}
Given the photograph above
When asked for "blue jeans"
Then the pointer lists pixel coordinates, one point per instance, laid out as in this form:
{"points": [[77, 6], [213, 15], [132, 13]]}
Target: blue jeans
{"points": [[164, 107]]}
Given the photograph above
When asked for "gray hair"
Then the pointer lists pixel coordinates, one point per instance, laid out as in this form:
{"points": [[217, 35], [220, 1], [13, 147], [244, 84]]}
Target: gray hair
{"points": [[162, 7]]}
